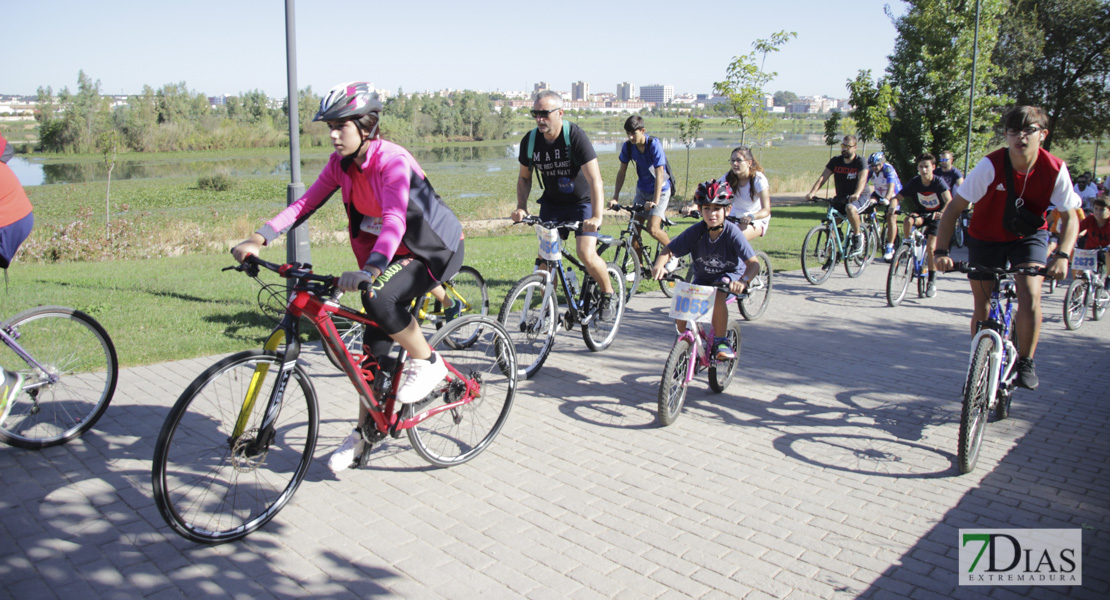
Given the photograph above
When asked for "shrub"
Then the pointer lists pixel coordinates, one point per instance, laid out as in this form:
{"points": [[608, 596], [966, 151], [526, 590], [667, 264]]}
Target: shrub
{"points": [[217, 183]]}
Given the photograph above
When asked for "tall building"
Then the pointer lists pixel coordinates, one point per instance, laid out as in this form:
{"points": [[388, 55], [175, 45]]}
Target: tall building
{"points": [[659, 94], [579, 90], [625, 91], [540, 87]]}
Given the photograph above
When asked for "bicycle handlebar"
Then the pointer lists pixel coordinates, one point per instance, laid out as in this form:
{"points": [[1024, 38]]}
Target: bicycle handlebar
{"points": [[966, 267], [534, 220], [299, 271]]}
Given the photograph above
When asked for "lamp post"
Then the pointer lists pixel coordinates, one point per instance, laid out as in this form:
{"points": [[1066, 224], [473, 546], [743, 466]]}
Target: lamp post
{"points": [[971, 98], [297, 239]]}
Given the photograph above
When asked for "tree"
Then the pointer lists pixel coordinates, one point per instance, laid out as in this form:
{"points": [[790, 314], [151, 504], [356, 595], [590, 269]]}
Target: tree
{"points": [[109, 143], [744, 81], [1056, 54], [784, 98], [931, 71], [688, 131], [872, 104], [832, 131]]}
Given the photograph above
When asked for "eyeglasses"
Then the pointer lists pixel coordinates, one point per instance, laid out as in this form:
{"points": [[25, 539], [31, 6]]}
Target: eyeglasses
{"points": [[847, 145], [1028, 131], [944, 160], [542, 114]]}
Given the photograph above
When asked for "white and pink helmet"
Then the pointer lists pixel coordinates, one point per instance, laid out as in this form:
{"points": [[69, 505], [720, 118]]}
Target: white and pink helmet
{"points": [[348, 101]]}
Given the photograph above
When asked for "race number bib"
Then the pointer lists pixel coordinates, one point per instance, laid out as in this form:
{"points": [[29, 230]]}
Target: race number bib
{"points": [[549, 243], [1085, 260], [371, 225], [693, 302]]}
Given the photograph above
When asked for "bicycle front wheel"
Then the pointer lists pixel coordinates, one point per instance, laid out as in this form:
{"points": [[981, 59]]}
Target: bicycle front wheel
{"points": [[1075, 304], [531, 322], [467, 287], [855, 263], [683, 270], [213, 486], [72, 389], [973, 417], [818, 254], [1099, 303], [455, 436], [628, 261], [759, 292], [721, 372], [899, 275], [672, 388], [600, 333]]}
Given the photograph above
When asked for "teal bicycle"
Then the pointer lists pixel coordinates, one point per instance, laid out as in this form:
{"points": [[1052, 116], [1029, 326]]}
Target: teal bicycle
{"points": [[827, 244]]}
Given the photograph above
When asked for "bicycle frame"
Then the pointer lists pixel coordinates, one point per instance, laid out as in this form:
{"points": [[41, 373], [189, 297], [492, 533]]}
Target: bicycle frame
{"points": [[556, 268], [699, 358], [50, 378], [833, 220], [999, 324], [318, 311]]}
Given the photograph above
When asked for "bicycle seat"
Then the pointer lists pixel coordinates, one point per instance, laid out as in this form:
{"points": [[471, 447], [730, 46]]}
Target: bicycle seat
{"points": [[667, 222], [607, 240]]}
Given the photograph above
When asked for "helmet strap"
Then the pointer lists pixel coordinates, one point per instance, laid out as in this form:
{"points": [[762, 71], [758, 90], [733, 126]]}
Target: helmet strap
{"points": [[717, 228]]}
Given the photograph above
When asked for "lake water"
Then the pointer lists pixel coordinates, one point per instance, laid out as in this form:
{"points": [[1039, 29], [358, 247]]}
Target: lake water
{"points": [[32, 172]]}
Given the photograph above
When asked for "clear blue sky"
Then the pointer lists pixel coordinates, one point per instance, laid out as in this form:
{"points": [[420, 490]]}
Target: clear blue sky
{"points": [[231, 46]]}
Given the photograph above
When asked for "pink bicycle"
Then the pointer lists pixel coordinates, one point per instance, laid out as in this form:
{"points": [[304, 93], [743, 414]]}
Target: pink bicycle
{"points": [[691, 355]]}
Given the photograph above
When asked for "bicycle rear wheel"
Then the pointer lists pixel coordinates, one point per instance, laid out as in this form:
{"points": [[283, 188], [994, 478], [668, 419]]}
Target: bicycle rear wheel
{"points": [[899, 275], [1075, 304], [854, 264], [973, 417], [819, 254], [1099, 303], [672, 388], [68, 397], [455, 436], [759, 292], [468, 287], [600, 333], [531, 323], [212, 486], [628, 261], [721, 372]]}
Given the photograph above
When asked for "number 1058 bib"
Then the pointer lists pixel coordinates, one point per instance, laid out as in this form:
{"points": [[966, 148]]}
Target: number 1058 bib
{"points": [[693, 302]]}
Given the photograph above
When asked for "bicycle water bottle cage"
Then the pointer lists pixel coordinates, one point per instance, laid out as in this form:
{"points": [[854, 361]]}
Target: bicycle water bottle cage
{"points": [[991, 325], [1008, 289]]}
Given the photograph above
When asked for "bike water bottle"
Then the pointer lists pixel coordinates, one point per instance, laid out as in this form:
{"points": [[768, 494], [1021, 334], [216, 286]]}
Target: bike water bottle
{"points": [[918, 252], [572, 280]]}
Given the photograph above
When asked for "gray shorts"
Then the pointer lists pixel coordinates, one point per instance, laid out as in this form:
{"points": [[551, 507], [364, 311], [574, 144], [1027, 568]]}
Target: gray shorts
{"points": [[643, 198], [999, 255]]}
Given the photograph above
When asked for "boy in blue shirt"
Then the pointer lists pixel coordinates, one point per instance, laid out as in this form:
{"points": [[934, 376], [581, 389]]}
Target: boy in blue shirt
{"points": [[721, 254], [653, 189]]}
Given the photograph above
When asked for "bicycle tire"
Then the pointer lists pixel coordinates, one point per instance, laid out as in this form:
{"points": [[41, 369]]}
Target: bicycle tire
{"points": [[531, 327], [628, 261], [899, 275], [456, 436], [1075, 304], [72, 346], [673, 385], [684, 270], [722, 372], [469, 287], [854, 265], [958, 235], [599, 334], [1099, 303], [206, 485], [759, 292], [1005, 393], [973, 416], [922, 285], [819, 254]]}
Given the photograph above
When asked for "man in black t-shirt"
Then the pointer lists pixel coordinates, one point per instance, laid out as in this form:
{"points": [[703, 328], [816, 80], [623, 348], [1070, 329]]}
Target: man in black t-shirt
{"points": [[923, 200], [571, 181], [850, 178]]}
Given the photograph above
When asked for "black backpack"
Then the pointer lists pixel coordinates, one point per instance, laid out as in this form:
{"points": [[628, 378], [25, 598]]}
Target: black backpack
{"points": [[670, 172]]}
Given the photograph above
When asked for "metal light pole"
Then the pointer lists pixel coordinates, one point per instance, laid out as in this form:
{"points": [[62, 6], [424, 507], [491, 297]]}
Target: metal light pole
{"points": [[297, 239], [971, 100]]}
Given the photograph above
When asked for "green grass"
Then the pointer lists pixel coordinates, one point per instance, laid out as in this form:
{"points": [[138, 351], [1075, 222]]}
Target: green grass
{"points": [[162, 309]]}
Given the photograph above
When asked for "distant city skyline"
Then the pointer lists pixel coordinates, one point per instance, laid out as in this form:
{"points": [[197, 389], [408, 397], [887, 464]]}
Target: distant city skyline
{"points": [[229, 48]]}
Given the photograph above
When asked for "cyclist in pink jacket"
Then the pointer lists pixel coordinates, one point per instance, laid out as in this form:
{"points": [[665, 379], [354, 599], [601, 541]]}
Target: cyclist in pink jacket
{"points": [[404, 237]]}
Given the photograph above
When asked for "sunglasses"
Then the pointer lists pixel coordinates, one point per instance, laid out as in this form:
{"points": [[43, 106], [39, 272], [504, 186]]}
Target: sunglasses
{"points": [[542, 114], [944, 160]]}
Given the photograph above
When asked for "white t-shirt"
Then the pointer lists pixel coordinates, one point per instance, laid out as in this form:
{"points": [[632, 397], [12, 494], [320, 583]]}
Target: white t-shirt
{"points": [[1086, 195], [742, 201]]}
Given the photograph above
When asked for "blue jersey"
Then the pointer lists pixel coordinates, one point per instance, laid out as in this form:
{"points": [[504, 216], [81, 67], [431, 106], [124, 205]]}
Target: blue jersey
{"points": [[714, 259], [884, 180], [646, 162]]}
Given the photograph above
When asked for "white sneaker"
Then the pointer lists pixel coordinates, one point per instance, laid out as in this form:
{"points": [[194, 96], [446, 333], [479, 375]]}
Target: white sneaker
{"points": [[888, 253], [10, 387], [420, 377], [671, 265], [344, 455]]}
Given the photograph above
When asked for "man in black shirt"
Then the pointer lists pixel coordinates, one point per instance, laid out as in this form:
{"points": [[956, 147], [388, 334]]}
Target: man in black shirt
{"points": [[571, 182], [850, 178]]}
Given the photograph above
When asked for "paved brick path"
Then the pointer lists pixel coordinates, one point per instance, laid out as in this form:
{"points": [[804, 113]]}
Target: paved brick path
{"points": [[825, 471]]}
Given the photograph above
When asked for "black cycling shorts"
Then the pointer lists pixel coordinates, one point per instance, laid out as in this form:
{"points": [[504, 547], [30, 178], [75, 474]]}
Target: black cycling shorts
{"points": [[403, 280]]}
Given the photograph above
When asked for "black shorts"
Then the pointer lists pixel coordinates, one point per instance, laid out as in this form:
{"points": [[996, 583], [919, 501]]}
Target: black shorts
{"points": [[573, 212], [930, 227], [999, 255]]}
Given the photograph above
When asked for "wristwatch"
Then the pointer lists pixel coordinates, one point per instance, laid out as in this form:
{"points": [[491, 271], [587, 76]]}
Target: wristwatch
{"points": [[1061, 254]]}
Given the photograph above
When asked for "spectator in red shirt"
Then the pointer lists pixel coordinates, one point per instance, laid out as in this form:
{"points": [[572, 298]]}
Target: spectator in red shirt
{"points": [[1039, 179]]}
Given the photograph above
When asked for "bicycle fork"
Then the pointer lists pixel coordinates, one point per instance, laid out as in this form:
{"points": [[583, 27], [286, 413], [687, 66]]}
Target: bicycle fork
{"points": [[999, 374]]}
